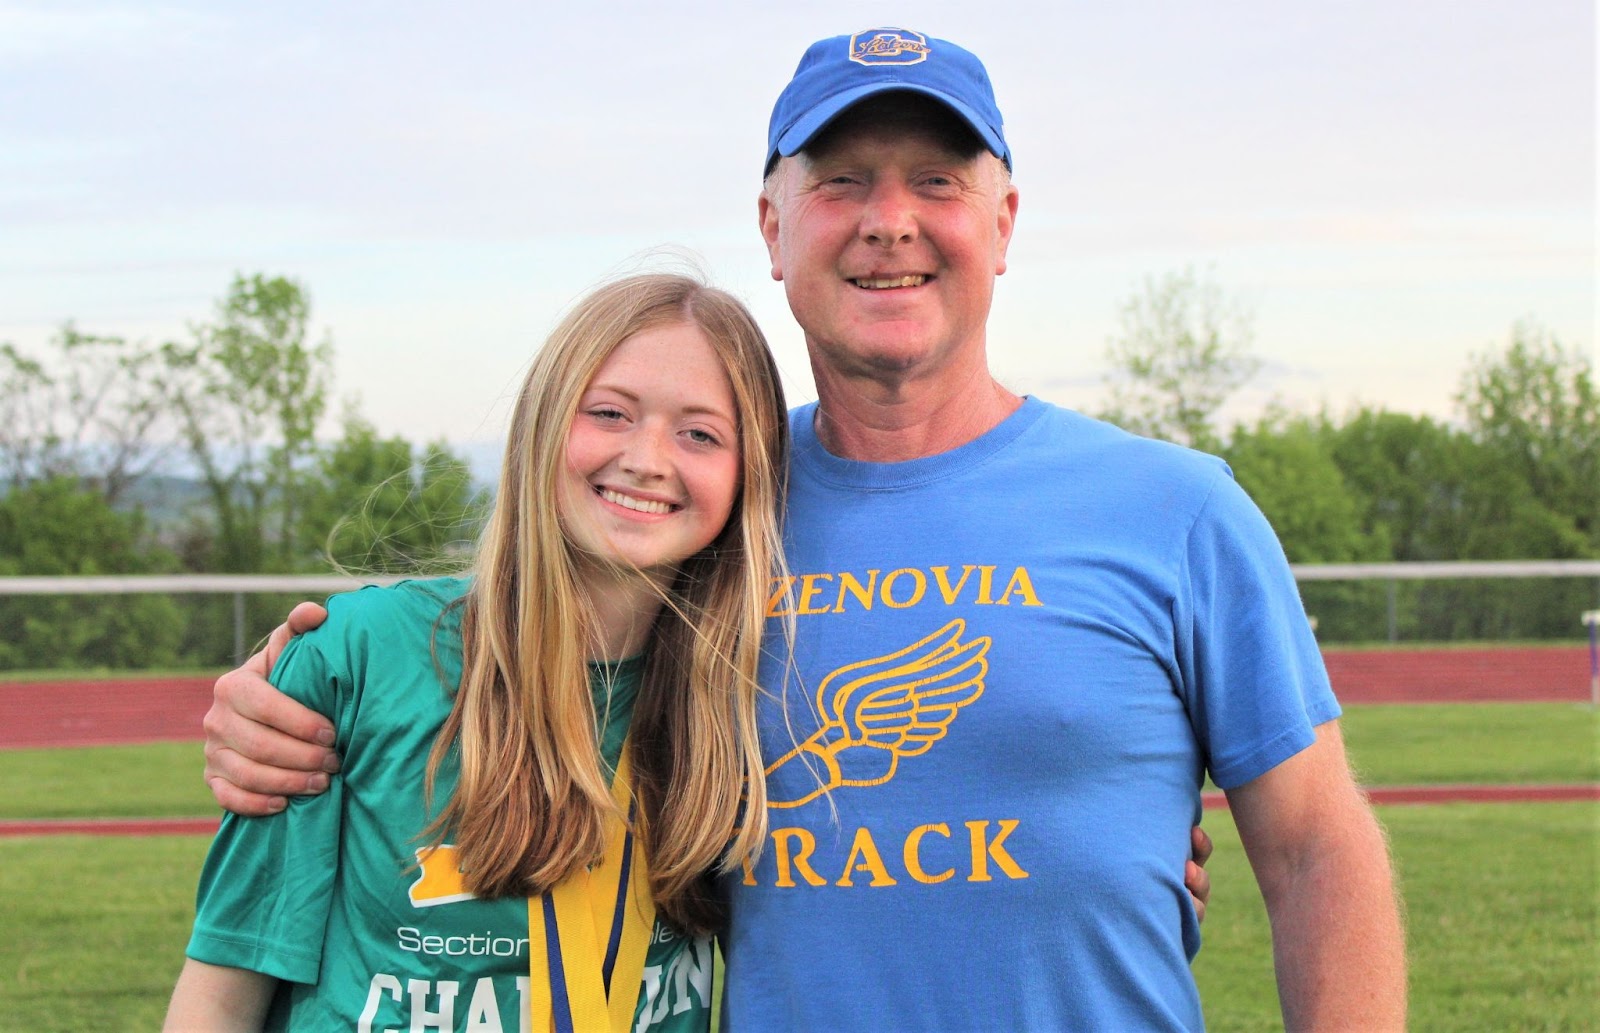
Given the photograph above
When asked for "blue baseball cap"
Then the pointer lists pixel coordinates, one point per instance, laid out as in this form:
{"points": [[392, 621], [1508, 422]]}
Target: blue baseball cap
{"points": [[840, 72]]}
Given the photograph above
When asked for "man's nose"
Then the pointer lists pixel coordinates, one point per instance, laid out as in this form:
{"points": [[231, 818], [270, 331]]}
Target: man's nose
{"points": [[890, 215]]}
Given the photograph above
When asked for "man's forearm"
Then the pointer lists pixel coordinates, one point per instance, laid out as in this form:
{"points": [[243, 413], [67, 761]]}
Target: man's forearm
{"points": [[1337, 943], [1322, 862]]}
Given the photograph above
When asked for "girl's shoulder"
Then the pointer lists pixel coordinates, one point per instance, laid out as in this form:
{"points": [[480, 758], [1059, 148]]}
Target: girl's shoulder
{"points": [[406, 603], [404, 619], [404, 639]]}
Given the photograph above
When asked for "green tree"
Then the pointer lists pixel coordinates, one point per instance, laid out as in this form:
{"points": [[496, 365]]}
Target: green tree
{"points": [[1286, 464], [1182, 351], [1534, 407], [248, 394], [53, 527], [89, 409], [1404, 474], [1436, 494], [378, 504]]}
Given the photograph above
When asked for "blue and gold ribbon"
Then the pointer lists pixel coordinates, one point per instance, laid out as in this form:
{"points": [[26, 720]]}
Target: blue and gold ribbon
{"points": [[587, 935]]}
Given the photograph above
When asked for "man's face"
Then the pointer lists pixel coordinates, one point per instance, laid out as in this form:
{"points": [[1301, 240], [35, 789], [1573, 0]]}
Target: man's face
{"points": [[887, 238]]}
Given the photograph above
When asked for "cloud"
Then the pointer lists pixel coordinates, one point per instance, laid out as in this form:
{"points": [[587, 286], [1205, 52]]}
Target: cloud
{"points": [[39, 32]]}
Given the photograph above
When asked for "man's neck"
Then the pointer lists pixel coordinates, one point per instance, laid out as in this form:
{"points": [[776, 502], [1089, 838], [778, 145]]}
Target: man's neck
{"points": [[888, 422]]}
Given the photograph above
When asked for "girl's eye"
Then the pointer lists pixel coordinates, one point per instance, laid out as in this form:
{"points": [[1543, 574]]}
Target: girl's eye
{"points": [[702, 437], [605, 412]]}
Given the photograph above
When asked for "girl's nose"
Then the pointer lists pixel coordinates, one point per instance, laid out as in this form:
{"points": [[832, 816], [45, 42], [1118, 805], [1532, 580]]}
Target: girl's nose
{"points": [[645, 454]]}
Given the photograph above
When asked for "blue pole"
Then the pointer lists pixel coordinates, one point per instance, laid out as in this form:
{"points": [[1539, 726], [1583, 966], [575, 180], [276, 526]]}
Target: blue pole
{"points": [[1592, 619]]}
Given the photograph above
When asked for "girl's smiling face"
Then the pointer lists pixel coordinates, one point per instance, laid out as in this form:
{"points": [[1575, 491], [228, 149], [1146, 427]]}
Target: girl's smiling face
{"points": [[652, 463]]}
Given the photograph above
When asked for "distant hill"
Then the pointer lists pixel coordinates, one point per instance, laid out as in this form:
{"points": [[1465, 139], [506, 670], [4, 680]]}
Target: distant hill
{"points": [[166, 501], [484, 458], [169, 501]]}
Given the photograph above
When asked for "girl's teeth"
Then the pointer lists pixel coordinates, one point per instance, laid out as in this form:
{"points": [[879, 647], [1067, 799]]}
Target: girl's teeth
{"points": [[638, 505]]}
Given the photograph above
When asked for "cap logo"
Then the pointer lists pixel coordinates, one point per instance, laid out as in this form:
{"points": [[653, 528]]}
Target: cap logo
{"points": [[888, 47]]}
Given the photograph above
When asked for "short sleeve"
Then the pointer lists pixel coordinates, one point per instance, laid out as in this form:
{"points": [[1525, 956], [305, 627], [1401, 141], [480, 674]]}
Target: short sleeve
{"points": [[1254, 679], [267, 884]]}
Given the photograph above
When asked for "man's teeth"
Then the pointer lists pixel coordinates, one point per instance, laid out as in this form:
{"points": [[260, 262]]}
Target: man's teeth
{"points": [[892, 281], [629, 502]]}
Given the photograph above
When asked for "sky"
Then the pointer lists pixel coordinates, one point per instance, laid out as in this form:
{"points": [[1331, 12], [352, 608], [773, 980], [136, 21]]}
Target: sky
{"points": [[1384, 188]]}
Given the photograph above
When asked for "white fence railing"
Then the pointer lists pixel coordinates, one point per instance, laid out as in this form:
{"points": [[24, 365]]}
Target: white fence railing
{"points": [[237, 585], [1455, 569], [1394, 573], [183, 584], [215, 584]]}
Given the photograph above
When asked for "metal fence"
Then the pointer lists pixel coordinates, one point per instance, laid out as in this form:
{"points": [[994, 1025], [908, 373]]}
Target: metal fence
{"points": [[1381, 600], [1445, 601], [239, 586]]}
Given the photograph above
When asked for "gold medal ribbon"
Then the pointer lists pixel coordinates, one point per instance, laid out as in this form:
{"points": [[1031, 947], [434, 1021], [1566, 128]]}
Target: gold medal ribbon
{"points": [[588, 934]]}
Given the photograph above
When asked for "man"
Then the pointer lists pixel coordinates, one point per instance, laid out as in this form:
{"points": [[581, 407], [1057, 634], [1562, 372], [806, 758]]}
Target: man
{"points": [[1022, 637]]}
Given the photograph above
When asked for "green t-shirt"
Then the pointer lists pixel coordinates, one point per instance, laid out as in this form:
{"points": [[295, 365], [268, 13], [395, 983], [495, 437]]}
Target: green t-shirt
{"points": [[327, 895]]}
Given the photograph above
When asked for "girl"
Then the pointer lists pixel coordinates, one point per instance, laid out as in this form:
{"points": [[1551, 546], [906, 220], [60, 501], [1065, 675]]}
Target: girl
{"points": [[582, 705]]}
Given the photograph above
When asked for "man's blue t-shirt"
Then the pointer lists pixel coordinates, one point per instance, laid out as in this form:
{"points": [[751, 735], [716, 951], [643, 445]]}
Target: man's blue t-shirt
{"points": [[1016, 662]]}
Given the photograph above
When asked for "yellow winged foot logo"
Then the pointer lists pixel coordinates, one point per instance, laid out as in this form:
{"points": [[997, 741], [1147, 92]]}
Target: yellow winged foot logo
{"points": [[876, 711]]}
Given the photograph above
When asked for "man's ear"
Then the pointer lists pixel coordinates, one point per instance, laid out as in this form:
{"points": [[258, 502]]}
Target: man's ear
{"points": [[1007, 219], [767, 216]]}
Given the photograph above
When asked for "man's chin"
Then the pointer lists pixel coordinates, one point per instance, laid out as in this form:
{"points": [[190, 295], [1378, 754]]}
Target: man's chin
{"points": [[885, 349]]}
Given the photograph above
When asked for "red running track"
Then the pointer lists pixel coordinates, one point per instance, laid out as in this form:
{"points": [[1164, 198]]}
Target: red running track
{"points": [[1533, 674], [134, 709], [101, 713]]}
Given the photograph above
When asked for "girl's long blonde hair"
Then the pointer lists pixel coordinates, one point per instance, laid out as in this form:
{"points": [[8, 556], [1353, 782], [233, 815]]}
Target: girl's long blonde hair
{"points": [[531, 803]]}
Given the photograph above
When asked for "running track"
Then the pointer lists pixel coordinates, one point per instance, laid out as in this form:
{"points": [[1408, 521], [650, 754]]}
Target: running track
{"points": [[134, 710]]}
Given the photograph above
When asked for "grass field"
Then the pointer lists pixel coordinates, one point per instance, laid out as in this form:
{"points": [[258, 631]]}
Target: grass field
{"points": [[153, 780], [1502, 898], [1474, 742], [94, 930], [1391, 745], [105, 674], [1501, 920]]}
